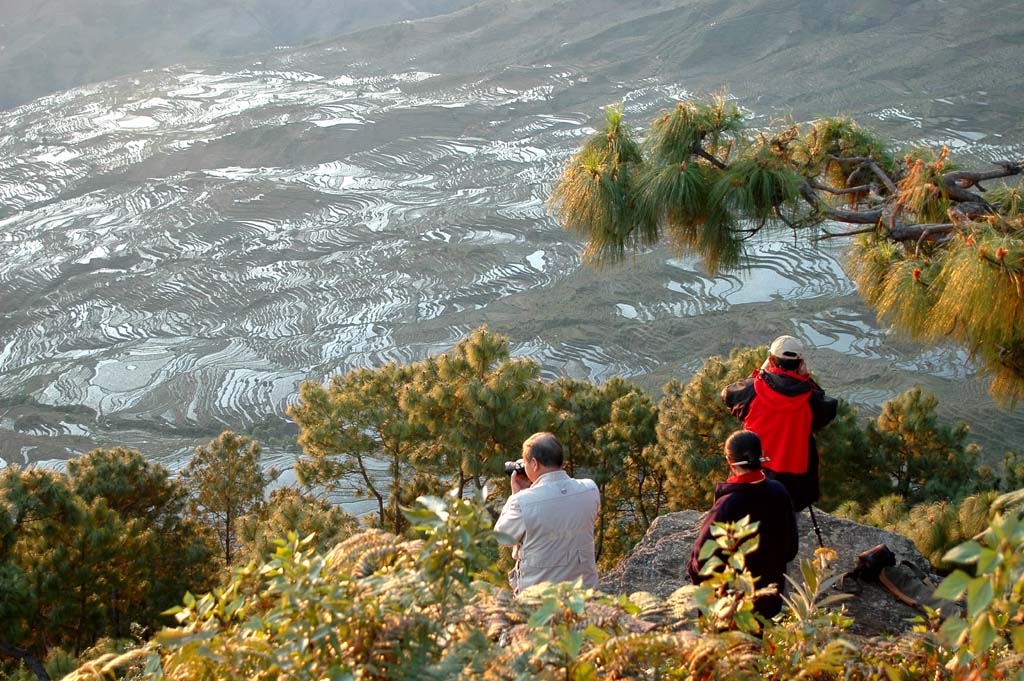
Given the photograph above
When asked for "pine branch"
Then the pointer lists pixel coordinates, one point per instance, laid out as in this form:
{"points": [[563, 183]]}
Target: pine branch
{"points": [[852, 232], [23, 655], [957, 183], [872, 165], [699, 151], [859, 189], [906, 231], [855, 217]]}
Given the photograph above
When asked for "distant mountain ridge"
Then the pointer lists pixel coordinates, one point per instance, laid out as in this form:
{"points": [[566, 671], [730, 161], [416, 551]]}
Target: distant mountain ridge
{"points": [[815, 57], [51, 46], [807, 56]]}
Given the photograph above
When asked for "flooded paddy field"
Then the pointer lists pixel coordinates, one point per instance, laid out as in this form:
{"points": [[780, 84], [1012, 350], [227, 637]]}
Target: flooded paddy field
{"points": [[181, 249]]}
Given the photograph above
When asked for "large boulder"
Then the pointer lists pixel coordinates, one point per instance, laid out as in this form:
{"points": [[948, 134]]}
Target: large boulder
{"points": [[658, 564]]}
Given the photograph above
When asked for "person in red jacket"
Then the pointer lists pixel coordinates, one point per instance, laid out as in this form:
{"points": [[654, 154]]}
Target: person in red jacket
{"points": [[785, 407]]}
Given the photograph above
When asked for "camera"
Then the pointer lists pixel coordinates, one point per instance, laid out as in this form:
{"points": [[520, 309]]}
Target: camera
{"points": [[514, 467]]}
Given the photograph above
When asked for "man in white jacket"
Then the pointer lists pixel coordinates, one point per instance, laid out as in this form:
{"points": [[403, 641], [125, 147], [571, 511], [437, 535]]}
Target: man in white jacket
{"points": [[550, 519]]}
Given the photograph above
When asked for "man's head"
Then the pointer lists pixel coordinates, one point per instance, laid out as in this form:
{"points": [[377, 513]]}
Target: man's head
{"points": [[743, 451], [542, 452], [787, 353]]}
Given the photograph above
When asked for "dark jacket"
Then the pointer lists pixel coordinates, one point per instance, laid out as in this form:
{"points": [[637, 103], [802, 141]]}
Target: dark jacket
{"points": [[785, 410], [768, 503]]}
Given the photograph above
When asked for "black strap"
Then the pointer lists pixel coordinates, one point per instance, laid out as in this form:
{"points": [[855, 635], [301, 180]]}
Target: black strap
{"points": [[817, 532]]}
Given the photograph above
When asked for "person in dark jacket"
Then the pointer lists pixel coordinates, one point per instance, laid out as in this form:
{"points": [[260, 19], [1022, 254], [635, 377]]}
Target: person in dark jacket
{"points": [[785, 407], [748, 492]]}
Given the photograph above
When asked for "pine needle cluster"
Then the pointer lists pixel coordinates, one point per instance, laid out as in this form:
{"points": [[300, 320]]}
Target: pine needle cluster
{"points": [[942, 255], [970, 291]]}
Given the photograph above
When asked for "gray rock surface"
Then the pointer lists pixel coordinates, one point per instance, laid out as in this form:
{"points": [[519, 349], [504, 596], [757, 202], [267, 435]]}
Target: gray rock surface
{"points": [[658, 564]]}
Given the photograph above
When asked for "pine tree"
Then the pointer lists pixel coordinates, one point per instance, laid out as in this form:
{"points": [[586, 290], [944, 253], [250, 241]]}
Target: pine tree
{"points": [[936, 257], [347, 428], [924, 458], [153, 508], [474, 407], [225, 481], [290, 511], [850, 470], [634, 493], [38, 507], [693, 424]]}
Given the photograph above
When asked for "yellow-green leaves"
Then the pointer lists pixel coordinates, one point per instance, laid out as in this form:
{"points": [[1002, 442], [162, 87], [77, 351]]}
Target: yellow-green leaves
{"points": [[726, 598], [993, 596]]}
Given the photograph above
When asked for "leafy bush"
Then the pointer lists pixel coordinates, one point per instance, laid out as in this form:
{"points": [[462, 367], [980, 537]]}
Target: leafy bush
{"points": [[378, 606]]}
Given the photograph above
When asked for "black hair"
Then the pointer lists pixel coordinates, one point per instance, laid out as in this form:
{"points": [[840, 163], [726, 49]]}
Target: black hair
{"points": [[789, 364], [743, 449], [545, 449]]}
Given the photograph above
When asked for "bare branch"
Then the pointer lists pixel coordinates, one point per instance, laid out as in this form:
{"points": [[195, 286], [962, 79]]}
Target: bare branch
{"points": [[859, 189], [935, 231], [873, 165], [852, 232], [33, 663], [856, 217], [699, 151], [957, 183]]}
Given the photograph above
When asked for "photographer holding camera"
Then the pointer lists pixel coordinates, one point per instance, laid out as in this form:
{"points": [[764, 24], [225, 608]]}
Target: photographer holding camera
{"points": [[550, 518], [783, 404]]}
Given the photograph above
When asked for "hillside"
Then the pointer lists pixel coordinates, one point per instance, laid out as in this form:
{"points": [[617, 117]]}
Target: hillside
{"points": [[183, 246], [46, 47], [809, 57]]}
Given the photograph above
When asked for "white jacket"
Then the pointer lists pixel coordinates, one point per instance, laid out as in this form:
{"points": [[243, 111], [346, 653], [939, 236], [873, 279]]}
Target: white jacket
{"points": [[552, 523]]}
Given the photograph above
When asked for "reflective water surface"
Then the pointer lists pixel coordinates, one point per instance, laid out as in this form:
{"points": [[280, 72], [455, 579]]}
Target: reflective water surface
{"points": [[180, 250]]}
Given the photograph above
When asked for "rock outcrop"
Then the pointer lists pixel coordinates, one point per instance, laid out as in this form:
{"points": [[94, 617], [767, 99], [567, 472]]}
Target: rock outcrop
{"points": [[658, 564]]}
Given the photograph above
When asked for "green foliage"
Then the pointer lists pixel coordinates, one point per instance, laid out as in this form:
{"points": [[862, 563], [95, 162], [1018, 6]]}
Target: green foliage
{"points": [[726, 598], [634, 488], [381, 607], [922, 191], [1009, 200], [849, 469], [84, 555], [593, 196], [810, 639], [824, 142], [676, 134], [149, 578], [475, 406], [575, 411], [935, 257], [935, 294], [225, 481], [692, 425], [935, 527], [926, 460], [374, 607], [290, 511], [358, 420], [991, 628], [1013, 472], [455, 537]]}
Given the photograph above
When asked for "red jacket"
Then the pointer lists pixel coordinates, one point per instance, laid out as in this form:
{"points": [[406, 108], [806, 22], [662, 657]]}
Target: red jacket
{"points": [[784, 409]]}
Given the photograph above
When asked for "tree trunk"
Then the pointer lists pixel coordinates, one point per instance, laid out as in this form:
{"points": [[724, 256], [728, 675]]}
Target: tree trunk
{"points": [[396, 510], [227, 537], [117, 612], [33, 663], [600, 528]]}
